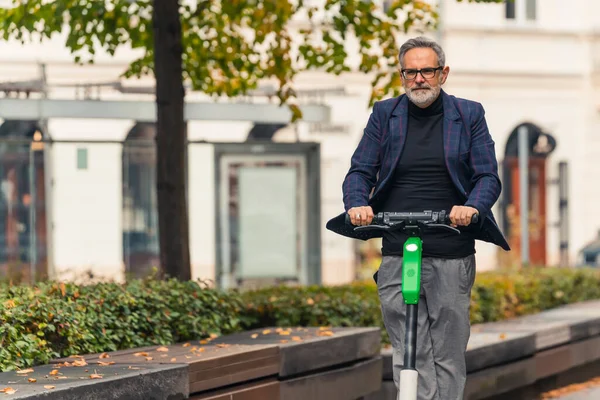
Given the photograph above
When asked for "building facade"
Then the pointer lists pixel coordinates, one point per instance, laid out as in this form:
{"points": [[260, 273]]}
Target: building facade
{"points": [[80, 201]]}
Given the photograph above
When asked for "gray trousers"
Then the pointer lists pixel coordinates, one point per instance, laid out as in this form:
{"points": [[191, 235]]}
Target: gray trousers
{"points": [[443, 322]]}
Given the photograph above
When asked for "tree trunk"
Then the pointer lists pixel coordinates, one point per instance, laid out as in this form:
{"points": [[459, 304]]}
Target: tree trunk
{"points": [[171, 142]]}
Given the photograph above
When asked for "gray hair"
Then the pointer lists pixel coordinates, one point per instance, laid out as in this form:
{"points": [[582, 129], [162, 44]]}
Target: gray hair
{"points": [[422, 42]]}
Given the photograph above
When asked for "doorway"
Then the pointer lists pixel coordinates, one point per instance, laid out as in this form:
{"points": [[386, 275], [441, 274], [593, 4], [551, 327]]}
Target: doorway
{"points": [[268, 214]]}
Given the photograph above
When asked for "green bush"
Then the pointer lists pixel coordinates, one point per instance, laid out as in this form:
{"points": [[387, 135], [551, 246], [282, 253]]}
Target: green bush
{"points": [[50, 320], [495, 296]]}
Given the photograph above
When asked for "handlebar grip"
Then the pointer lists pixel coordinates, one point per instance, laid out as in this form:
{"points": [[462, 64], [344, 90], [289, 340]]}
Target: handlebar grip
{"points": [[475, 218]]}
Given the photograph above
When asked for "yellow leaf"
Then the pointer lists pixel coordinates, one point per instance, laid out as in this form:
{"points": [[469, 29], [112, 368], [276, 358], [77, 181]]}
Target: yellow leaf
{"points": [[254, 336], [266, 331], [25, 371], [49, 387], [79, 363], [213, 336], [104, 355], [503, 336], [204, 341], [325, 333], [284, 333], [32, 380], [8, 390], [186, 345], [296, 338], [173, 359], [95, 376], [54, 372], [162, 349], [141, 354]]}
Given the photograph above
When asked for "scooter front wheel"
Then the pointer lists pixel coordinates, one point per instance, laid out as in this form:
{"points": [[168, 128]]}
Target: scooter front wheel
{"points": [[408, 384]]}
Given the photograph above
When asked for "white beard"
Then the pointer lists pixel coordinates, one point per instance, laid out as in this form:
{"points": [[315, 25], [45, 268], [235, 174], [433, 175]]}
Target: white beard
{"points": [[423, 97]]}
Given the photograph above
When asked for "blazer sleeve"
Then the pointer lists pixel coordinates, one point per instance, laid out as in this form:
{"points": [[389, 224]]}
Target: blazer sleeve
{"points": [[364, 164], [485, 180]]}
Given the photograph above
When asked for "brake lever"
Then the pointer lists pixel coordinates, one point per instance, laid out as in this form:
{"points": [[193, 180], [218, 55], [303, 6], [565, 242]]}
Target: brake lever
{"points": [[445, 226], [372, 227]]}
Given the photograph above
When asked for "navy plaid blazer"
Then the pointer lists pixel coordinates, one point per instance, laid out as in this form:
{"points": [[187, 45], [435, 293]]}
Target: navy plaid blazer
{"points": [[468, 149]]}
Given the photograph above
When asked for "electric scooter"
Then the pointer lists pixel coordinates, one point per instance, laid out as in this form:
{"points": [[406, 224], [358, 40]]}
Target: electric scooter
{"points": [[411, 223]]}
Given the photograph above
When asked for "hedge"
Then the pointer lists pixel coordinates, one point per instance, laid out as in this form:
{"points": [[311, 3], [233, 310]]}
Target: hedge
{"points": [[51, 319]]}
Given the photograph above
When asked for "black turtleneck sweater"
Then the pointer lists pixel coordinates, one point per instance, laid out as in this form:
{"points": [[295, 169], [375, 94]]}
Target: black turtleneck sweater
{"points": [[421, 182]]}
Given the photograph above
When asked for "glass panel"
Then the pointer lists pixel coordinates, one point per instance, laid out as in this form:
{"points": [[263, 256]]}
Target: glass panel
{"points": [[530, 9], [82, 158], [510, 9], [140, 212], [268, 245], [23, 253]]}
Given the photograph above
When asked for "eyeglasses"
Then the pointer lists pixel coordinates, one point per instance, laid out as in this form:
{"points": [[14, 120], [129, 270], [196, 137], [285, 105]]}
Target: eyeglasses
{"points": [[426, 73]]}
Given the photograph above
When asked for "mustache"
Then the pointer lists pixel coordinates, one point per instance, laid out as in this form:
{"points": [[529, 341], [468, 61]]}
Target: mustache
{"points": [[424, 86]]}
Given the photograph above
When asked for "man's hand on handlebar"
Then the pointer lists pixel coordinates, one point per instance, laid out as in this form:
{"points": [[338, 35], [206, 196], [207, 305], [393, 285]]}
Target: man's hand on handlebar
{"points": [[361, 215], [461, 215]]}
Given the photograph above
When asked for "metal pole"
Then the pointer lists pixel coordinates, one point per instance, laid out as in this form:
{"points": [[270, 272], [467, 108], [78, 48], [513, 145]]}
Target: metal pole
{"points": [[524, 192], [563, 207], [32, 219]]}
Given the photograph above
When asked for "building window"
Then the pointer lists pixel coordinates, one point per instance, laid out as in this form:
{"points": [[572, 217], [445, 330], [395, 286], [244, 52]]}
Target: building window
{"points": [[510, 9], [530, 9], [521, 10], [82, 158]]}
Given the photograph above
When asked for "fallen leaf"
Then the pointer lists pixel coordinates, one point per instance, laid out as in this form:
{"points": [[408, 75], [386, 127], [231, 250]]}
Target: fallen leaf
{"points": [[32, 380], [266, 331], [75, 356], [130, 367], [204, 342], [49, 387], [188, 357], [54, 372], [254, 336], [283, 341], [214, 336], [148, 358], [95, 376], [173, 359], [105, 363], [79, 363], [104, 355], [162, 349], [201, 349], [62, 377], [503, 336], [25, 371], [325, 333], [141, 354], [186, 345], [284, 333], [296, 338], [223, 345], [8, 390], [63, 290]]}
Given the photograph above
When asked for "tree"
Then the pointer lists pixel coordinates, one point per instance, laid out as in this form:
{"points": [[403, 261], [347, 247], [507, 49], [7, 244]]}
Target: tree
{"points": [[222, 48]]}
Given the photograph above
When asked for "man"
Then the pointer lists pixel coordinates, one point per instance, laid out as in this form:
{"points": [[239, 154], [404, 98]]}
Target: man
{"points": [[427, 150]]}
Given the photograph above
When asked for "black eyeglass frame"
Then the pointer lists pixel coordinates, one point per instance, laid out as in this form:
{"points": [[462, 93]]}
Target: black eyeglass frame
{"points": [[420, 71]]}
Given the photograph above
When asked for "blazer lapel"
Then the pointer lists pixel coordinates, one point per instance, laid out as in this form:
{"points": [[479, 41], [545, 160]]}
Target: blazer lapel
{"points": [[452, 131], [398, 125]]}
